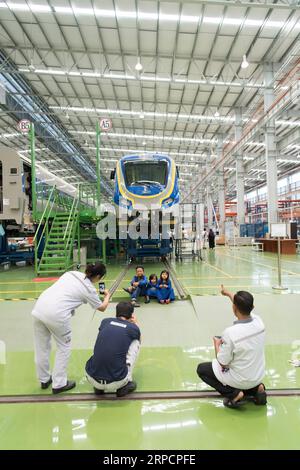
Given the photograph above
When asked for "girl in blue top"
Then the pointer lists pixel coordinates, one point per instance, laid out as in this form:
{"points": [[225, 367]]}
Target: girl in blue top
{"points": [[152, 288], [165, 292]]}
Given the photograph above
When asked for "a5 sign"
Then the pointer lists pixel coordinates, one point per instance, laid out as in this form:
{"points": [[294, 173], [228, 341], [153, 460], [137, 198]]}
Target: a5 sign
{"points": [[24, 126], [105, 124]]}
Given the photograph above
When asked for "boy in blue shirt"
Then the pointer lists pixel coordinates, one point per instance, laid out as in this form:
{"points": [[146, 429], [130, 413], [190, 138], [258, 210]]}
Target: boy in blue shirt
{"points": [[138, 285]]}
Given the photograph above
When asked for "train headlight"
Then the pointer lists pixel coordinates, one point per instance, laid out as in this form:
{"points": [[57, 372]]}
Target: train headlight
{"points": [[125, 202], [168, 201]]}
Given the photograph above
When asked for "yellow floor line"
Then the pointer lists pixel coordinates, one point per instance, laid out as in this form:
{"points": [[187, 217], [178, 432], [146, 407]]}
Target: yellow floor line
{"points": [[217, 269], [21, 292], [235, 285], [287, 261], [262, 264]]}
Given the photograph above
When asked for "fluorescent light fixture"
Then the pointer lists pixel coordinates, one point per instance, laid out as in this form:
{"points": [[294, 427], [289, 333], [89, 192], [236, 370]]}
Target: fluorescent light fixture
{"points": [[149, 78], [244, 63], [113, 135], [141, 15], [145, 114]]}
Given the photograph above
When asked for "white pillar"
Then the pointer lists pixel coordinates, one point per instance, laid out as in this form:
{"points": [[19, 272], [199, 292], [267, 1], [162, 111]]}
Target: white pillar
{"points": [[221, 190], [221, 198], [271, 150], [209, 210], [240, 174]]}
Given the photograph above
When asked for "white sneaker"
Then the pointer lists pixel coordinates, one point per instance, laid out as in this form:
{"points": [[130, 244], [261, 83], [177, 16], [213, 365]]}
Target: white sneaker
{"points": [[295, 362]]}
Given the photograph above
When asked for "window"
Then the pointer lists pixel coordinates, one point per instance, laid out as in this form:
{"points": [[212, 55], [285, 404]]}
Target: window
{"points": [[146, 172]]}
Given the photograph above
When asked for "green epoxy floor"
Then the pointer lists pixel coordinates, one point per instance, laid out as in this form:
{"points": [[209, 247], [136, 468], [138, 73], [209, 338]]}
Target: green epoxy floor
{"points": [[150, 424], [238, 268], [175, 339]]}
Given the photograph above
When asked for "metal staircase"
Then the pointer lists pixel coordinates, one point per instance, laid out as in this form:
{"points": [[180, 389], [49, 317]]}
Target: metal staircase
{"points": [[58, 230]]}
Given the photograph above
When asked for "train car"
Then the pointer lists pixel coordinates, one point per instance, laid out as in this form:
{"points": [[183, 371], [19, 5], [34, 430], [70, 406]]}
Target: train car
{"points": [[146, 182], [15, 187], [12, 191]]}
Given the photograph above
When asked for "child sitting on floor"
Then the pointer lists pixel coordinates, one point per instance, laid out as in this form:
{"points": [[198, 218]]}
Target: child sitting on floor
{"points": [[165, 292], [152, 287]]}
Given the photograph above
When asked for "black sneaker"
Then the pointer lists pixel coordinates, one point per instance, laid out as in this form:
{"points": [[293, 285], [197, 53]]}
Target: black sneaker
{"points": [[147, 300], [260, 398], [128, 388], [45, 385], [69, 385], [233, 404], [98, 392], [126, 290], [135, 303]]}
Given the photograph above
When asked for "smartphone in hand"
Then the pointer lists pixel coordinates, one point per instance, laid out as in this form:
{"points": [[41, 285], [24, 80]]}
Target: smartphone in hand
{"points": [[101, 287]]}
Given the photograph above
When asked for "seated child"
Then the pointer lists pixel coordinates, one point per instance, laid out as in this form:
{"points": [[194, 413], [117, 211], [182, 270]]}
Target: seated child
{"points": [[151, 288], [138, 285], [165, 292]]}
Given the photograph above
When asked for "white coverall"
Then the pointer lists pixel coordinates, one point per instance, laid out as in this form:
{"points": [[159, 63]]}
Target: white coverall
{"points": [[52, 317]]}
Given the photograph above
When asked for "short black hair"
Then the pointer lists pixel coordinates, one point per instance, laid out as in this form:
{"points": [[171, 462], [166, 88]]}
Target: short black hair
{"points": [[124, 309], [243, 300], [95, 269], [152, 276], [142, 267]]}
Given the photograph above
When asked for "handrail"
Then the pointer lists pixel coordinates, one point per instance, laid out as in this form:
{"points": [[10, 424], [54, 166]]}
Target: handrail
{"points": [[75, 203], [71, 232], [36, 246], [43, 215]]}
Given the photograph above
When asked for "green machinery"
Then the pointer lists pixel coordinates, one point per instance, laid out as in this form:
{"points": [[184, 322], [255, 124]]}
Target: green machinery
{"points": [[60, 229], [60, 219]]}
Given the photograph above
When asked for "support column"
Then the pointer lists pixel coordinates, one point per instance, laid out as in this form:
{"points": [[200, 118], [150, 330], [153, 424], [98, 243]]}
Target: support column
{"points": [[271, 150], [33, 174], [209, 210], [221, 190], [201, 213], [240, 174]]}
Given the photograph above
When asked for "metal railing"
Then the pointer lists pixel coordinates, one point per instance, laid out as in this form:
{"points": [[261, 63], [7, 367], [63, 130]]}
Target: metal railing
{"points": [[47, 213]]}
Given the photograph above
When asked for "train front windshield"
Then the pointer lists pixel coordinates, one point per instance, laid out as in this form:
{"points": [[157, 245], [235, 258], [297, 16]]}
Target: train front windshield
{"points": [[140, 172]]}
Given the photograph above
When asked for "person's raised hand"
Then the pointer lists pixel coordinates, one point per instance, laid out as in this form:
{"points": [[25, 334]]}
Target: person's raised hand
{"points": [[224, 291]]}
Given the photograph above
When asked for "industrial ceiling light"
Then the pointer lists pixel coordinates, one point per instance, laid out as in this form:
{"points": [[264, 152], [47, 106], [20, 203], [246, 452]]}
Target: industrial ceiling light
{"points": [[142, 115], [217, 114], [245, 62], [31, 66], [67, 116], [138, 66], [144, 143]]}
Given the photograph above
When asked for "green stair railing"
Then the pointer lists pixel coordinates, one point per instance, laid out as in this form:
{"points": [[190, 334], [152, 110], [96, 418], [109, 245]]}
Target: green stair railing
{"points": [[69, 235], [44, 221]]}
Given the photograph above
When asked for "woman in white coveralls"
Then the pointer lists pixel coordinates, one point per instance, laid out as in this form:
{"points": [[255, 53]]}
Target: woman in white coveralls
{"points": [[52, 315]]}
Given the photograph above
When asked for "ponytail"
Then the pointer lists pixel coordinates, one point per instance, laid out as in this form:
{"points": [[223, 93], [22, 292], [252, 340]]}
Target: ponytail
{"points": [[95, 269]]}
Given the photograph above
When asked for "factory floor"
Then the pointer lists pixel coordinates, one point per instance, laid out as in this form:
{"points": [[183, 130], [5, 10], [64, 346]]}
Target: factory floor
{"points": [[175, 339]]}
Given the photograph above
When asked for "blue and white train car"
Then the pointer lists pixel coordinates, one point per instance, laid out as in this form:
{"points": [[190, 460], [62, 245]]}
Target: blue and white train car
{"points": [[146, 182]]}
